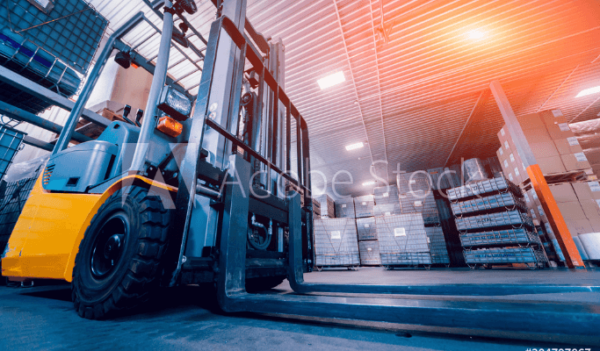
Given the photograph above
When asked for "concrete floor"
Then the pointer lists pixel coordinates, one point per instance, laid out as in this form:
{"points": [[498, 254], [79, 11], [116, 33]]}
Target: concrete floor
{"points": [[42, 318]]}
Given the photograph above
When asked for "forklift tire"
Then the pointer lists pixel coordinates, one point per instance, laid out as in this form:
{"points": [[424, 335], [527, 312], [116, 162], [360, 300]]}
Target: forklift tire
{"points": [[117, 266], [254, 285]]}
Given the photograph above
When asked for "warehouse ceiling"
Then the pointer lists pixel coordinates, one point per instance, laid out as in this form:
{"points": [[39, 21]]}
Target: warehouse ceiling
{"points": [[416, 82]]}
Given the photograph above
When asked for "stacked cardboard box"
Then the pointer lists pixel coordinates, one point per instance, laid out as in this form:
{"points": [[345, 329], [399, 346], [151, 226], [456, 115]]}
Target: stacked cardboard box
{"points": [[579, 204], [363, 206], [587, 135], [552, 142], [327, 206]]}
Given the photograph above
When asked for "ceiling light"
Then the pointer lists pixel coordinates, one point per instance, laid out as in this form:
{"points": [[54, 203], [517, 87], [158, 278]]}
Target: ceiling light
{"points": [[476, 34], [331, 80], [371, 182], [589, 91], [354, 146]]}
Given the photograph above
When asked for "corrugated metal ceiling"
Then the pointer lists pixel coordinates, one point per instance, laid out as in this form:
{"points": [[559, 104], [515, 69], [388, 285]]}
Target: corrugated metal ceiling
{"points": [[412, 99]]}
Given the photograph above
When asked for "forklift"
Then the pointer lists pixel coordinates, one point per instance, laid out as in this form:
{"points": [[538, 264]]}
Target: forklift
{"points": [[203, 190]]}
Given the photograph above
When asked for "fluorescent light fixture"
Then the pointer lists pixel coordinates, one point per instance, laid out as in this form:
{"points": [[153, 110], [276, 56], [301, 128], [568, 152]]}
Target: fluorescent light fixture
{"points": [[476, 34], [354, 146], [370, 182], [589, 91], [331, 80]]}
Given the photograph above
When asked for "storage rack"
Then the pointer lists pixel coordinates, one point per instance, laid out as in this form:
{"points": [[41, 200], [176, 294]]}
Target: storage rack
{"points": [[494, 225]]}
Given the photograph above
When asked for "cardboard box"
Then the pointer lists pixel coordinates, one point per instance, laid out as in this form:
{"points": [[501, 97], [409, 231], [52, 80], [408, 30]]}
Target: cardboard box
{"points": [[567, 146], [551, 165], [591, 208], [558, 127], [531, 121], [575, 162], [571, 211], [579, 226], [587, 190], [500, 154], [563, 193], [539, 135]]}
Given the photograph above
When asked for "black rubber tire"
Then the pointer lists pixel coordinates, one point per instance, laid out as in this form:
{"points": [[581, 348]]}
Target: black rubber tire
{"points": [[255, 285], [136, 274]]}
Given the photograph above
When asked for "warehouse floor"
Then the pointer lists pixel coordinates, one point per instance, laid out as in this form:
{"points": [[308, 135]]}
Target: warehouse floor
{"points": [[188, 318]]}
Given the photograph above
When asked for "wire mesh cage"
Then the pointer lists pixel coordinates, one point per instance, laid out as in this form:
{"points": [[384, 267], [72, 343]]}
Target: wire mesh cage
{"points": [[336, 242], [401, 236], [490, 186], [423, 204], [437, 245], [521, 236], [489, 203], [363, 206], [344, 208], [406, 259], [10, 142], [527, 255], [11, 205], [71, 30], [494, 220], [366, 229], [418, 182], [369, 253]]}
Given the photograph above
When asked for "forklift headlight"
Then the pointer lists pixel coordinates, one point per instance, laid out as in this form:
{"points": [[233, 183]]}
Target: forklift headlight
{"points": [[175, 104]]}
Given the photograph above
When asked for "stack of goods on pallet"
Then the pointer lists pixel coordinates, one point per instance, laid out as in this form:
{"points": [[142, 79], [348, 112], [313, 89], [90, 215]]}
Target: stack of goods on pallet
{"points": [[566, 169], [316, 208], [403, 240], [579, 204], [553, 144], [495, 228], [336, 243], [364, 207], [416, 196], [327, 206], [587, 136]]}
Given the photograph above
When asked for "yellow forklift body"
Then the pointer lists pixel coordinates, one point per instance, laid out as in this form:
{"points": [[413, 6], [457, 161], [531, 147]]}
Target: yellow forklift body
{"points": [[46, 238]]}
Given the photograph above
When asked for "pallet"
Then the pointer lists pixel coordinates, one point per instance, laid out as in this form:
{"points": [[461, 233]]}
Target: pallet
{"points": [[568, 177]]}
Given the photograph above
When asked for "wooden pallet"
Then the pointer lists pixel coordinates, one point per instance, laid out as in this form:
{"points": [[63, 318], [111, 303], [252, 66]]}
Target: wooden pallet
{"points": [[567, 177]]}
